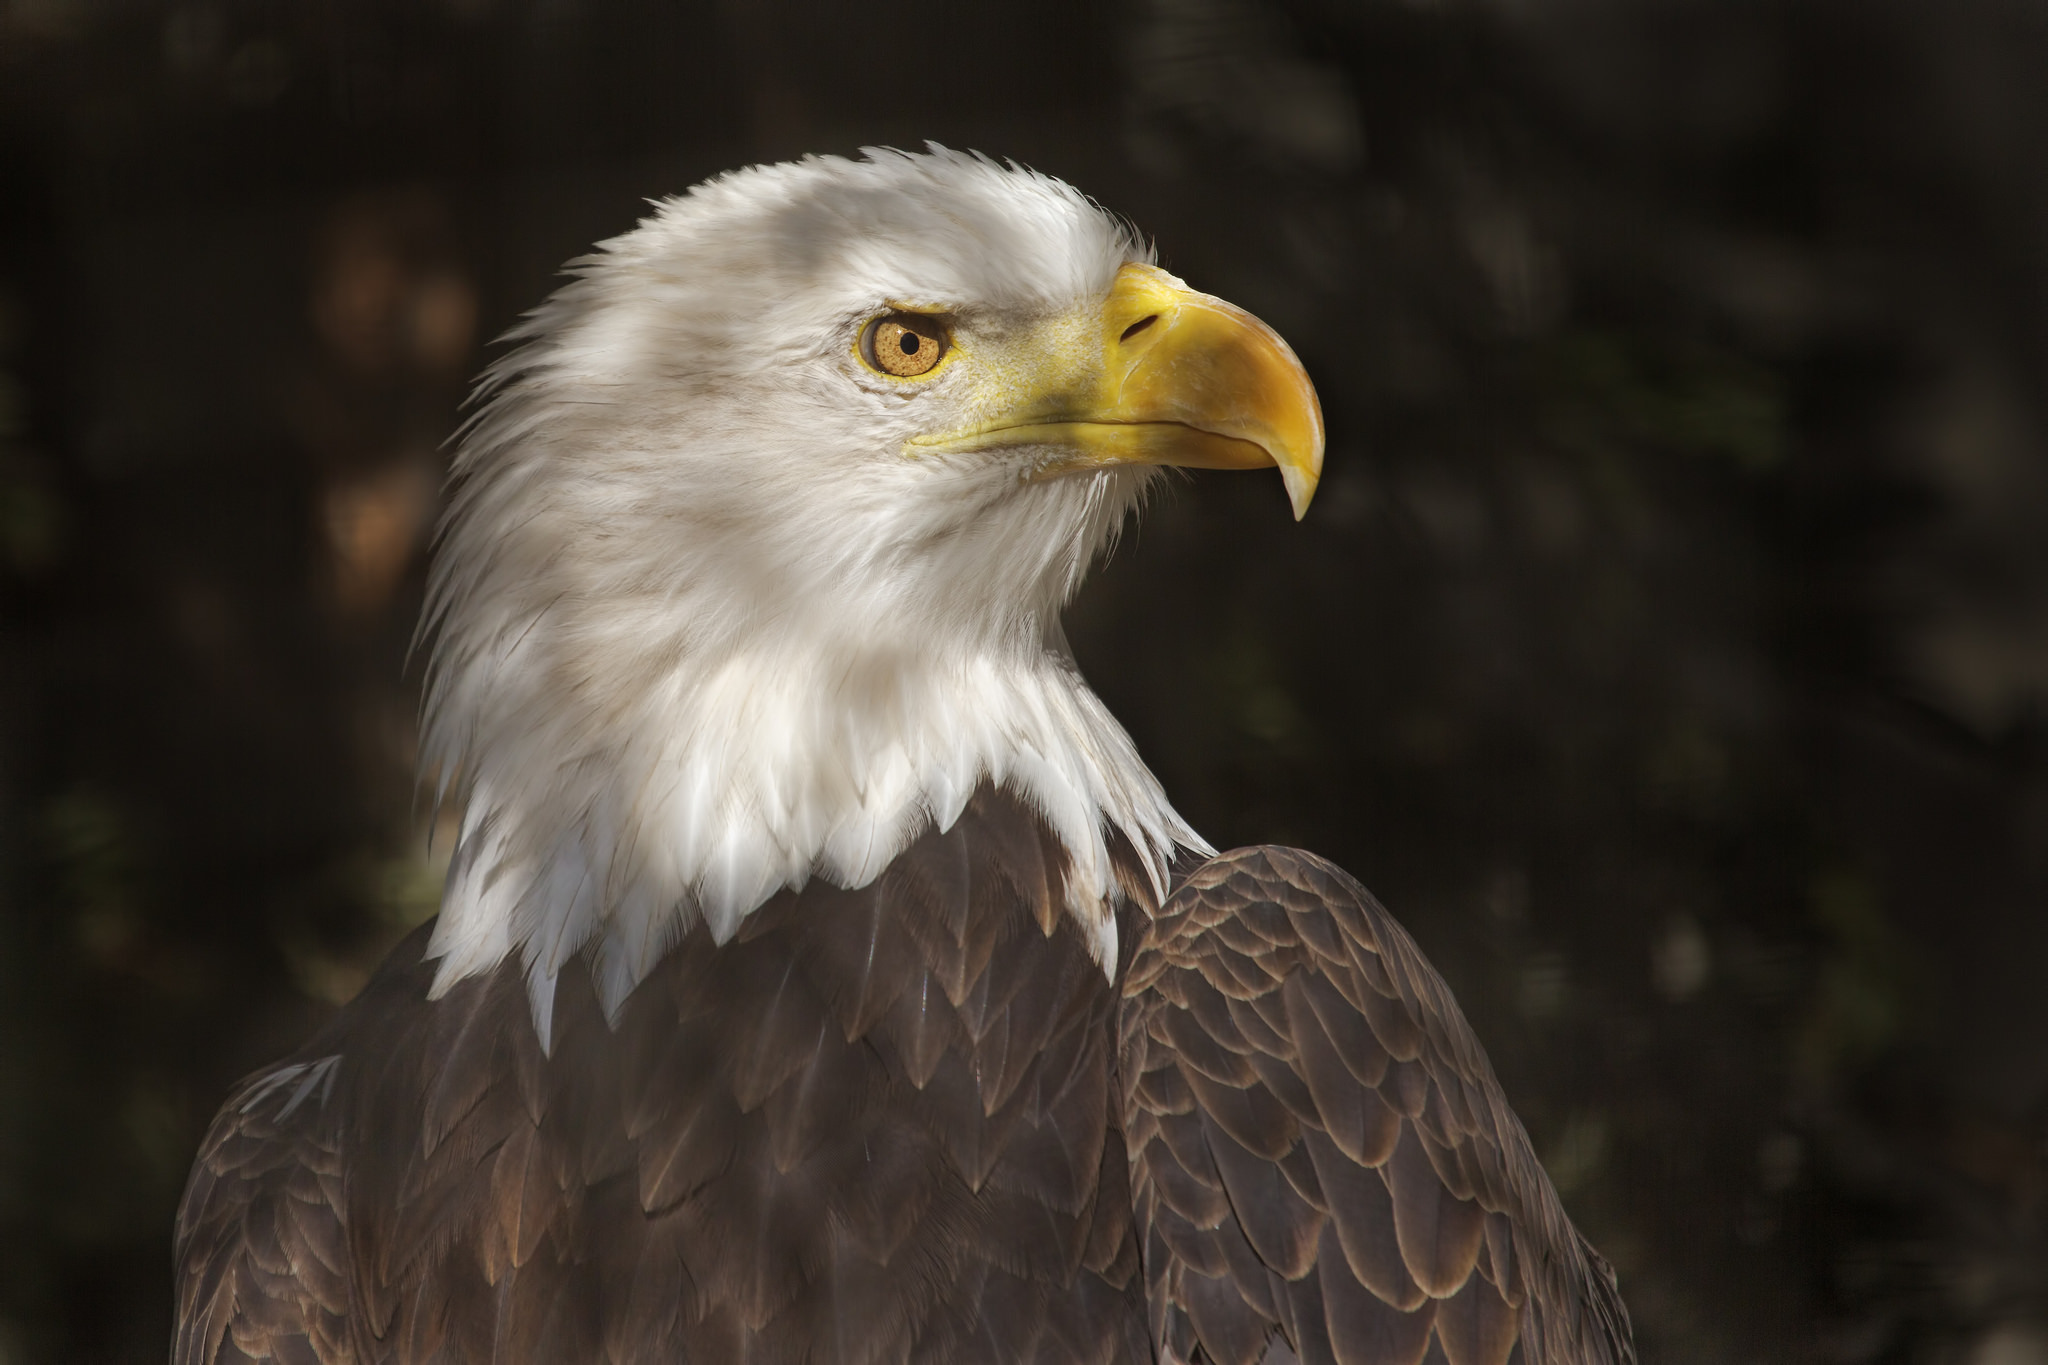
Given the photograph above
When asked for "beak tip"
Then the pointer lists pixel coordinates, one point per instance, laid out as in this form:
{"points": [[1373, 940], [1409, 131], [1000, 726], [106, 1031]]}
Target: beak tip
{"points": [[1301, 487]]}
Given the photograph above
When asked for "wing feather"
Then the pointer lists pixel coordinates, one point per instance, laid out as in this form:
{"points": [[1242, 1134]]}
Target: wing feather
{"points": [[1323, 1165], [261, 1239]]}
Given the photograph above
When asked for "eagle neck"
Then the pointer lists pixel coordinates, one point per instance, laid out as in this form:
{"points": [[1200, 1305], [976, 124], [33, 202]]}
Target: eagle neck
{"points": [[741, 772]]}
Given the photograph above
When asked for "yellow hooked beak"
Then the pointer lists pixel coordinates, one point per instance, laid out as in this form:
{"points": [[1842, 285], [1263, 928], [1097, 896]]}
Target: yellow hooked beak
{"points": [[1183, 379]]}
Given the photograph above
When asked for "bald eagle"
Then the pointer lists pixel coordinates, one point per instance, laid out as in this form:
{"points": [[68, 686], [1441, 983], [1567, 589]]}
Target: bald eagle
{"points": [[821, 976]]}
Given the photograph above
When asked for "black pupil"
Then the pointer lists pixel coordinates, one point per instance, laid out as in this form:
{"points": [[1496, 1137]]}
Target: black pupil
{"points": [[911, 343]]}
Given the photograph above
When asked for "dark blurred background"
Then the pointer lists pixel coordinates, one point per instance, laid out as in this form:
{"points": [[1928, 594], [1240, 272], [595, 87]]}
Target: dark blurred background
{"points": [[1668, 646]]}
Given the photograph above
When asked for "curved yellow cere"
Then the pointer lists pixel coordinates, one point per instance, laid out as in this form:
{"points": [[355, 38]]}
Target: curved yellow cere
{"points": [[1183, 378]]}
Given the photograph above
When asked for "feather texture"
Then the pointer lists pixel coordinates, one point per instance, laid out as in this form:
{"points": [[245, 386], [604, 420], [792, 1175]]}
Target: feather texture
{"points": [[1322, 1161], [883, 1125], [875, 1126]]}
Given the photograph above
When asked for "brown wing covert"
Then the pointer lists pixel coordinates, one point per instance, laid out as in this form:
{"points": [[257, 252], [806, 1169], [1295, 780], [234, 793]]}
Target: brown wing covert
{"points": [[1320, 1151], [261, 1245]]}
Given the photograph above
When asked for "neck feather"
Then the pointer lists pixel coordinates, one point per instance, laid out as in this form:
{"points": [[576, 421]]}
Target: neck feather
{"points": [[730, 781]]}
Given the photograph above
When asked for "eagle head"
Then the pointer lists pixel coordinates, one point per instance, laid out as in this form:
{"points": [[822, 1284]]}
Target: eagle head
{"points": [[758, 542]]}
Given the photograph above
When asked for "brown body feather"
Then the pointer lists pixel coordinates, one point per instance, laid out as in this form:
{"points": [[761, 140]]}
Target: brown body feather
{"points": [[887, 1125]]}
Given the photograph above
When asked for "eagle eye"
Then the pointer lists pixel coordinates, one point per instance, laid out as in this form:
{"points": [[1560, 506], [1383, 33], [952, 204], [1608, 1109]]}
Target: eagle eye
{"points": [[903, 344]]}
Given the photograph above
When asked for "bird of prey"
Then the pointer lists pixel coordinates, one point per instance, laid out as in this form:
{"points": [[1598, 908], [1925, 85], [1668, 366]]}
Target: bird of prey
{"points": [[821, 976]]}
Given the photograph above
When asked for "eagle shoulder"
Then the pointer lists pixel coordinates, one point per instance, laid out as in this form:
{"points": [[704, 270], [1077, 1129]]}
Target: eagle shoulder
{"points": [[1320, 1150], [262, 1235]]}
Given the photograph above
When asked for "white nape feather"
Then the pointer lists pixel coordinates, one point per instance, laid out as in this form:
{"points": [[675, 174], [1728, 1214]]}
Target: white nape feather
{"points": [[703, 630]]}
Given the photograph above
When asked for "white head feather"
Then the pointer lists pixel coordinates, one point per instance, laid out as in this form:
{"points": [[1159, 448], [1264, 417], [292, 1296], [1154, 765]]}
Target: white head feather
{"points": [[703, 630]]}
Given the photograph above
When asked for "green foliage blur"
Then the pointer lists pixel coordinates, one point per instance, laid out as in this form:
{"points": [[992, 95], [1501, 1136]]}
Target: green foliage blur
{"points": [[1668, 645]]}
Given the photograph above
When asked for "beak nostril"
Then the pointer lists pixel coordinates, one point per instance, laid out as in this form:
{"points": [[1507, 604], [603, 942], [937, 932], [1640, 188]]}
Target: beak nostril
{"points": [[1140, 325]]}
